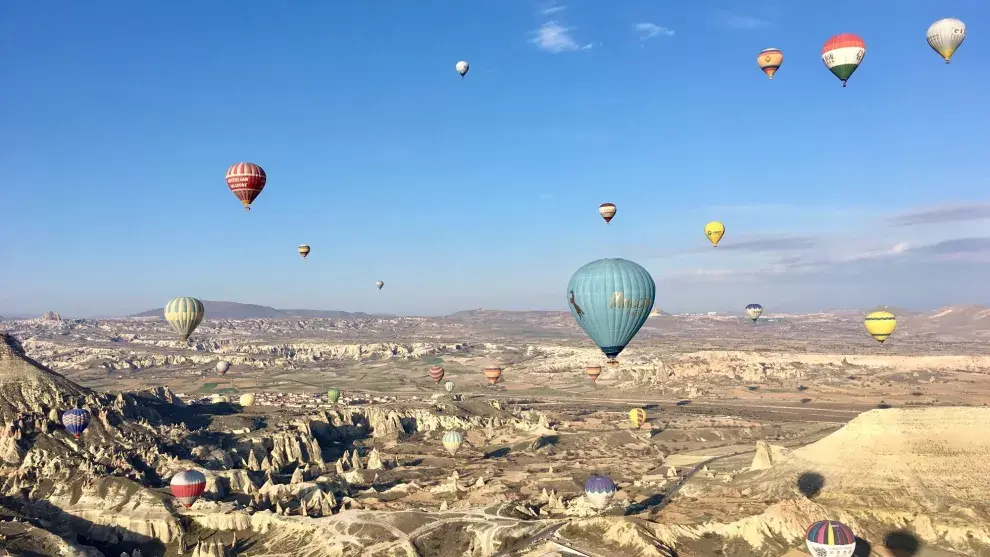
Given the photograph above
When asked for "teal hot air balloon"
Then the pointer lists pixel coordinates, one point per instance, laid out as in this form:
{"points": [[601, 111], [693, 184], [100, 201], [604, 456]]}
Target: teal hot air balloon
{"points": [[184, 314], [611, 299]]}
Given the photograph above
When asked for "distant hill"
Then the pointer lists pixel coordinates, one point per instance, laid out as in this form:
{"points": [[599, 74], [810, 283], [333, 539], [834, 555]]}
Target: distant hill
{"points": [[236, 310]]}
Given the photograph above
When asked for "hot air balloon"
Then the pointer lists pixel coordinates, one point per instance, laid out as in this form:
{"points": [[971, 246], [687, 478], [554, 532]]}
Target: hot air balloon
{"points": [[770, 60], [436, 374], [945, 36], [842, 54], [184, 314], [593, 372], [599, 490], [379, 284], [880, 325], [462, 68], [222, 367], [333, 395], [187, 486], [247, 399], [452, 440], [75, 421], [611, 299], [607, 211], [219, 399], [303, 250], [449, 386], [828, 538], [753, 311], [637, 416], [714, 231], [492, 374], [246, 180]]}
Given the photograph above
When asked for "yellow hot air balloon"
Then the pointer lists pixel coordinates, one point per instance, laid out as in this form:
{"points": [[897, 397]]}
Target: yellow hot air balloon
{"points": [[637, 416], [714, 231], [770, 60], [247, 399], [880, 325]]}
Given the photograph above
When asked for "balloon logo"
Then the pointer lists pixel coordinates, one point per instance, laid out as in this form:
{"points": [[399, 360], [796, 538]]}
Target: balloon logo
{"points": [[714, 231], [246, 180], [945, 36]]}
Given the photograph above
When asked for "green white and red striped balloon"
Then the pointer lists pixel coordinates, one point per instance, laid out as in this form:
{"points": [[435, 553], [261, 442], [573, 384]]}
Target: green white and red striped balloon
{"points": [[842, 54]]}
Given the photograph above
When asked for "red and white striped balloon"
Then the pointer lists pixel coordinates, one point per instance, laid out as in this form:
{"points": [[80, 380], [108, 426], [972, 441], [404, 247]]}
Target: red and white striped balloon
{"points": [[187, 486], [436, 373], [246, 180]]}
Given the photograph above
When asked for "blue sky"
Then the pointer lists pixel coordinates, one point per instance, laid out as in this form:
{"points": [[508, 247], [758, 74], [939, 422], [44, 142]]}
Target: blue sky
{"points": [[120, 119]]}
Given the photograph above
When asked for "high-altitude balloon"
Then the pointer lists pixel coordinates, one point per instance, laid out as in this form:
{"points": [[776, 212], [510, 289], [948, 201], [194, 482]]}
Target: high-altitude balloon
{"points": [[303, 250], [753, 311], [593, 372], [599, 490], [880, 325], [75, 421], [611, 299], [842, 54], [828, 538], [379, 284], [449, 386], [637, 417], [770, 60], [607, 211], [436, 374], [462, 67], [246, 180], [452, 440], [222, 367], [714, 231], [247, 399], [945, 36], [492, 374], [187, 486], [333, 395], [184, 314]]}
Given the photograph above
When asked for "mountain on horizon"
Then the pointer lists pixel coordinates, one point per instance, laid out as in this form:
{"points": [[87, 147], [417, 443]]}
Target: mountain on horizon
{"points": [[237, 310]]}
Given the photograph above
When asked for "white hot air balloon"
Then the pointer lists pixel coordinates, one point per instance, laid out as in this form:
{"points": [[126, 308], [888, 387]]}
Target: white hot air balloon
{"points": [[187, 486], [462, 67], [945, 36], [449, 386], [223, 366], [452, 441], [379, 284]]}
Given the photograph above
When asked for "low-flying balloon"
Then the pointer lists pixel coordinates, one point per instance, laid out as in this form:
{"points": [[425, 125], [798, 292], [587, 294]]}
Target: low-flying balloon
{"points": [[753, 311], [462, 67], [880, 325], [828, 538], [222, 367], [333, 395], [945, 36], [303, 250], [75, 421], [187, 486], [492, 374], [770, 60], [379, 284], [219, 399], [246, 180], [599, 490], [842, 54], [611, 299], [184, 314], [637, 417], [247, 399], [714, 232], [436, 374], [607, 211], [449, 386], [452, 440], [593, 372]]}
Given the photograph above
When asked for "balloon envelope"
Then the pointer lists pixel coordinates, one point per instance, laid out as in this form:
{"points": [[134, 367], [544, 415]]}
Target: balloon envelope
{"points": [[828, 538], [75, 421], [246, 180], [449, 386], [714, 231], [593, 372], [753, 311], [379, 284], [492, 374], [880, 325], [770, 60], [452, 441], [303, 250], [462, 67], [223, 366], [599, 490], [842, 54], [607, 211], [184, 314], [187, 486], [247, 399], [333, 395], [436, 373], [945, 36], [611, 299], [637, 416]]}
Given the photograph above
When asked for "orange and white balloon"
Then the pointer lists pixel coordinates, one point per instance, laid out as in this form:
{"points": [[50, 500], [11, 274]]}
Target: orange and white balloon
{"points": [[770, 60]]}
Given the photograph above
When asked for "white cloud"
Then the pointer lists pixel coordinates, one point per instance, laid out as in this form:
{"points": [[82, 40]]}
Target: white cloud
{"points": [[550, 10], [732, 20], [555, 38], [650, 30]]}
